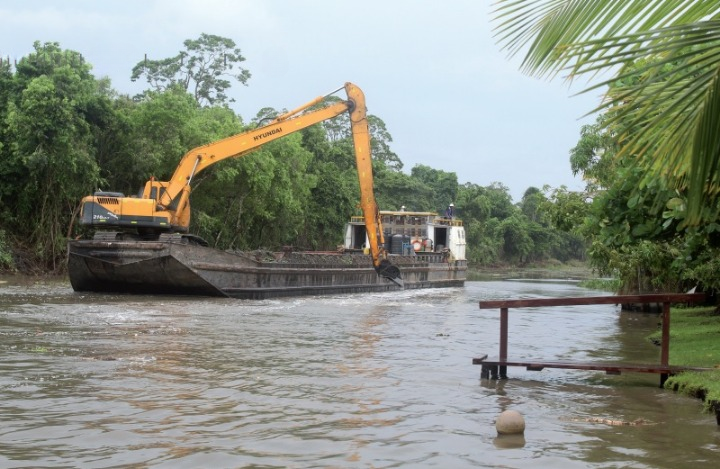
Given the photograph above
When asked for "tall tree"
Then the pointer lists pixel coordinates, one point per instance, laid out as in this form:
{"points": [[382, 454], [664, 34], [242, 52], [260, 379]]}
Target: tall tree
{"points": [[482, 210], [594, 156], [443, 186], [203, 69], [49, 163], [394, 189], [339, 129], [674, 112], [259, 200], [335, 196], [532, 203]]}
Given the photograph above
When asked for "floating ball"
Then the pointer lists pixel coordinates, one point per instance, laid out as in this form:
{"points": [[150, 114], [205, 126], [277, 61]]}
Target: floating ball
{"points": [[510, 422]]}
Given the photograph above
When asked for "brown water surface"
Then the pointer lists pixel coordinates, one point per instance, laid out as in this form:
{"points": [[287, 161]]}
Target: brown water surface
{"points": [[374, 380]]}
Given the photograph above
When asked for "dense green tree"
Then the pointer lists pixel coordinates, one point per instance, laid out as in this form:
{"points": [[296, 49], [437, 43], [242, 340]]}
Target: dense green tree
{"points": [[256, 201], [474, 202], [6, 95], [164, 130], [443, 186], [202, 69], [66, 134], [499, 232], [394, 189], [124, 164], [482, 210], [671, 115], [546, 243], [380, 144], [531, 204], [653, 153], [335, 195], [7, 90], [484, 247], [339, 130], [594, 156], [49, 163], [634, 225], [500, 201], [567, 210], [517, 244]]}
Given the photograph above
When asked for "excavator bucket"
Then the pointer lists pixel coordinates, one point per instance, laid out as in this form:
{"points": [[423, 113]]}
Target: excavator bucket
{"points": [[390, 272]]}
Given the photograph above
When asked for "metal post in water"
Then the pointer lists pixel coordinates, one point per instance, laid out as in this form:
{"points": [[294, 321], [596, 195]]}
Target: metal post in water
{"points": [[503, 341], [665, 344]]}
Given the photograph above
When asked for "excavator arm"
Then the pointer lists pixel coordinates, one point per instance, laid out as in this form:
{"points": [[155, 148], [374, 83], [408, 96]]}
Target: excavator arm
{"points": [[363, 160], [164, 206]]}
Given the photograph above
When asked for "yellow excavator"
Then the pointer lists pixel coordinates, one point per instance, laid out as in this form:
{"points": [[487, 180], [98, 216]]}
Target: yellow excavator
{"points": [[164, 206]]}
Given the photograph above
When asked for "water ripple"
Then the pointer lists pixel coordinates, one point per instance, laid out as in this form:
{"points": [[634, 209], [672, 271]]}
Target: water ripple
{"points": [[380, 380]]}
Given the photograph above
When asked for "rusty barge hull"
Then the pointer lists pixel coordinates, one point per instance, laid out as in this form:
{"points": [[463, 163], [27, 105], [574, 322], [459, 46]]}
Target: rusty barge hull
{"points": [[174, 268]]}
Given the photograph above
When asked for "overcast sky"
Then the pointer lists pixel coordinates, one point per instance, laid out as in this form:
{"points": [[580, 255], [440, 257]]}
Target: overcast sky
{"points": [[432, 71]]}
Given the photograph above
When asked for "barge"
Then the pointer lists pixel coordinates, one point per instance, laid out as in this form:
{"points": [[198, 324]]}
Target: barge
{"points": [[428, 249]]}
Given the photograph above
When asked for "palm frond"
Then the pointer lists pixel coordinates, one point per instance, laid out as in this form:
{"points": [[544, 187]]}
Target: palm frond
{"points": [[550, 28], [664, 58]]}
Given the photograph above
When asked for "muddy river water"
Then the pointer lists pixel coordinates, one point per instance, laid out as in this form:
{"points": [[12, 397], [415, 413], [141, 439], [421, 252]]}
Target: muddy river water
{"points": [[347, 381]]}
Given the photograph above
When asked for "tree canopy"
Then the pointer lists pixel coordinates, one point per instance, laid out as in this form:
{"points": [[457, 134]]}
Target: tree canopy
{"points": [[66, 134], [661, 55], [202, 69]]}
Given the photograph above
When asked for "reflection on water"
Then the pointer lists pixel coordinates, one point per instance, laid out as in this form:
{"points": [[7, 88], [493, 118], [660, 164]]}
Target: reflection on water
{"points": [[378, 380], [509, 441]]}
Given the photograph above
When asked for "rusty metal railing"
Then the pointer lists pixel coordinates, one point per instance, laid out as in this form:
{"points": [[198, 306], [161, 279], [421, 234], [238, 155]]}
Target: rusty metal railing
{"points": [[497, 368]]}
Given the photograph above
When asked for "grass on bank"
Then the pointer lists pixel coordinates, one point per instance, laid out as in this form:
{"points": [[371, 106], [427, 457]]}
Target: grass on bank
{"points": [[546, 270], [602, 284], [695, 341]]}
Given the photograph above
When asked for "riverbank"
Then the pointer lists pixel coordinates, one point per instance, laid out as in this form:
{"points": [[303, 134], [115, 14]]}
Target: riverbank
{"points": [[574, 271], [694, 334]]}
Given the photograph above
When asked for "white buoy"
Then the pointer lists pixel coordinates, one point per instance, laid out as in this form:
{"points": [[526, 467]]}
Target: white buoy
{"points": [[510, 422]]}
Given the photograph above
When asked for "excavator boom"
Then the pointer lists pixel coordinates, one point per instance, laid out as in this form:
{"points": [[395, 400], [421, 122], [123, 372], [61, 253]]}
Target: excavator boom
{"points": [[164, 206]]}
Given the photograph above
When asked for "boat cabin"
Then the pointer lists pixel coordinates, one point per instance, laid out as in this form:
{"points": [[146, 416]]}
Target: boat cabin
{"points": [[409, 233]]}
